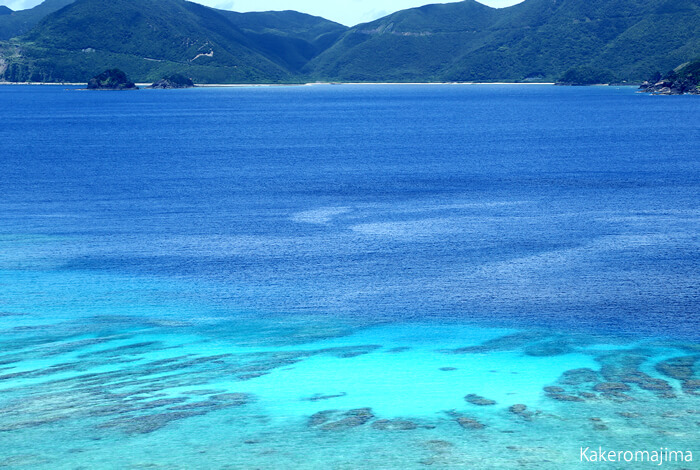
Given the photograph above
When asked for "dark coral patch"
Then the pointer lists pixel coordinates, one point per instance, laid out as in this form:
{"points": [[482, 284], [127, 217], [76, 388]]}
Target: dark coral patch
{"points": [[579, 377], [611, 387], [521, 411], [479, 400], [679, 368], [470, 423], [334, 420]]}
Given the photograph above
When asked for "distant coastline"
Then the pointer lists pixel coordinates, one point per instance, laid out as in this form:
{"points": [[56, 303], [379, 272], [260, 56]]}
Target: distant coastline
{"points": [[459, 42], [238, 85]]}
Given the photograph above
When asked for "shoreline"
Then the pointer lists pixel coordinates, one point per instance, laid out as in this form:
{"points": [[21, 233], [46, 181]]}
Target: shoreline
{"points": [[143, 86], [211, 85], [239, 85]]}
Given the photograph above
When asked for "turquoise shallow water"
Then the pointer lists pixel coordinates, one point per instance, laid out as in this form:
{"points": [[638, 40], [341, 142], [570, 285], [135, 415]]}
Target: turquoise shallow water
{"points": [[124, 392], [347, 277]]}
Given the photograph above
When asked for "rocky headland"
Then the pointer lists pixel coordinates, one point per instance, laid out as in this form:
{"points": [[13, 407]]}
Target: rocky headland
{"points": [[680, 81], [112, 79], [173, 81]]}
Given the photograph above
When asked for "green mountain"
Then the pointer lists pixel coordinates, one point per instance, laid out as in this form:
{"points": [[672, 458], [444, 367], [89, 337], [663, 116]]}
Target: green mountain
{"points": [[534, 40], [150, 39], [288, 37], [15, 23]]}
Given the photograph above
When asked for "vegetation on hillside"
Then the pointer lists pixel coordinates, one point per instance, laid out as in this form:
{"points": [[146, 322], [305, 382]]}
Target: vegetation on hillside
{"points": [[16, 23], [577, 41], [287, 37], [150, 39], [536, 39], [586, 75]]}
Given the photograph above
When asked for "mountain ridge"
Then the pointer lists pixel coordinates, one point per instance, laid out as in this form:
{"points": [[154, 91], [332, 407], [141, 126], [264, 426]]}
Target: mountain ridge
{"points": [[16, 23], [152, 38], [536, 40]]}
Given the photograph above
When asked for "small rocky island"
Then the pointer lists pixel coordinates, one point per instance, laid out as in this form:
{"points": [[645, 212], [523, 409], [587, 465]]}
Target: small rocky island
{"points": [[682, 80], [173, 81], [112, 79]]}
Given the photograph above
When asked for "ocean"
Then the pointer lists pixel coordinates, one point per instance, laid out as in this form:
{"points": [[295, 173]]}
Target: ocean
{"points": [[348, 277]]}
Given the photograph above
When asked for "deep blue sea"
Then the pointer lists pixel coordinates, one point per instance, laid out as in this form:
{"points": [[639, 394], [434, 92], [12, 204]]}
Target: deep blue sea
{"points": [[347, 277]]}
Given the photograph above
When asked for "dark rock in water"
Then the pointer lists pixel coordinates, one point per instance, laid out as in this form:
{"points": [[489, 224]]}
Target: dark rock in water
{"points": [[559, 394], [691, 387], [579, 376], [353, 418], [469, 423], [321, 417], [479, 400], [522, 411], [588, 395], [319, 397], [448, 369], [561, 397], [333, 420], [519, 408], [112, 79], [634, 377], [611, 387], [656, 385], [394, 425], [619, 370], [600, 427], [234, 399], [617, 396], [629, 415], [173, 81], [679, 368], [400, 349], [619, 366]]}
